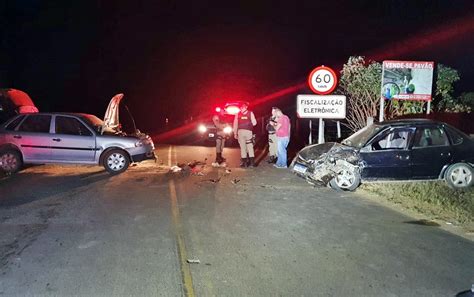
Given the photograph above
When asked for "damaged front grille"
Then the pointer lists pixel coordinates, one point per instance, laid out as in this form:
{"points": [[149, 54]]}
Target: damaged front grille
{"points": [[321, 169]]}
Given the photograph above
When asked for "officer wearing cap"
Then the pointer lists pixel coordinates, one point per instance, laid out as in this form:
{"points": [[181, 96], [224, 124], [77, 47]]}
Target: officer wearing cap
{"points": [[244, 121]]}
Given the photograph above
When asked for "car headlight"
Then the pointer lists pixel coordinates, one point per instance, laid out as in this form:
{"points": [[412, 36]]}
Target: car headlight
{"points": [[143, 141], [227, 130], [202, 129]]}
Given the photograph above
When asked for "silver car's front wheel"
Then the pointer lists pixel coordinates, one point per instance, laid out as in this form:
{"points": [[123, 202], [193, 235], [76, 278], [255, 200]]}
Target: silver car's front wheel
{"points": [[10, 161], [345, 180], [459, 176], [116, 161]]}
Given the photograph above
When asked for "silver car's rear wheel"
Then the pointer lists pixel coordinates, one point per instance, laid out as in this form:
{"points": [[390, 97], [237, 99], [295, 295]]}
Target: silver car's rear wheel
{"points": [[345, 180], [459, 175], [116, 161], [10, 161]]}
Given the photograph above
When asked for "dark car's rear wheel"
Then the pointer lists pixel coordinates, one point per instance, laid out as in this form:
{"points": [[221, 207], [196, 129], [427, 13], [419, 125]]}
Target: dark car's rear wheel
{"points": [[345, 180], [459, 175], [116, 161], [10, 161]]}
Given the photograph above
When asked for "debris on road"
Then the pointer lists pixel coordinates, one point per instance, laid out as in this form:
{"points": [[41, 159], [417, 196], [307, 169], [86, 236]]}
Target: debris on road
{"points": [[196, 163], [215, 180], [175, 169], [228, 171], [193, 261], [235, 181], [219, 165]]}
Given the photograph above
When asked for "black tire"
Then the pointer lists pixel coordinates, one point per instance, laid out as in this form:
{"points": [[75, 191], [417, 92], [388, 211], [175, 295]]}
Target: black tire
{"points": [[116, 161], [11, 161], [459, 176], [345, 180]]}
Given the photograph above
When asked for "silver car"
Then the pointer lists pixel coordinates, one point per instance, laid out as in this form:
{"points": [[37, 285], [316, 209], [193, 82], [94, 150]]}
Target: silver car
{"points": [[74, 138]]}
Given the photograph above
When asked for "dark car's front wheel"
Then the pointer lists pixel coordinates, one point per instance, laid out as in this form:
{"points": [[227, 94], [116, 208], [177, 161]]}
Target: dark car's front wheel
{"points": [[10, 161], [116, 161], [459, 175], [345, 180]]}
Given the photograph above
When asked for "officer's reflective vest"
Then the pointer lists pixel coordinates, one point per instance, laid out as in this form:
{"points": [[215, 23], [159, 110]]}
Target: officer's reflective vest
{"points": [[244, 121]]}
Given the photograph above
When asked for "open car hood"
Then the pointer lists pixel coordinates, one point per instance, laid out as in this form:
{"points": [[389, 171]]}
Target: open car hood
{"points": [[111, 117], [17, 100]]}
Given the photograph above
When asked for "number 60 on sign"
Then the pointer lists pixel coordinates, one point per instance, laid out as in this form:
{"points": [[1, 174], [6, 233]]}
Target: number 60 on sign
{"points": [[322, 80]]}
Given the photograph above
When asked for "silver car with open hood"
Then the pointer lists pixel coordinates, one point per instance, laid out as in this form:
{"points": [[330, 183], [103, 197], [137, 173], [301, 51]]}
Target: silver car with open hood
{"points": [[76, 138]]}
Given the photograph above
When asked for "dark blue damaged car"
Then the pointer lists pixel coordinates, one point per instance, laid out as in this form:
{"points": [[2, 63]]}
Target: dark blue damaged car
{"points": [[416, 149]]}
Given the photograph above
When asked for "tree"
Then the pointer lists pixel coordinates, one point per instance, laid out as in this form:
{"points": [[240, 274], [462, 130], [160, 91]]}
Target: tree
{"points": [[467, 101], [360, 83]]}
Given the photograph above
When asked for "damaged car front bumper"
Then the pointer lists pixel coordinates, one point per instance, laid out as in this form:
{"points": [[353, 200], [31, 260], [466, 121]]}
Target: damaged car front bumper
{"points": [[319, 164]]}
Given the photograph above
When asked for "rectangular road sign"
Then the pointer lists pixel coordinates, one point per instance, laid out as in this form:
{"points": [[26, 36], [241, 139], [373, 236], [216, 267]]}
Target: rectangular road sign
{"points": [[321, 106], [407, 80]]}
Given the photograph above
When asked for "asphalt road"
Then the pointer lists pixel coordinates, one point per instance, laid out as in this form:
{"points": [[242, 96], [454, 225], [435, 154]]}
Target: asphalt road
{"points": [[75, 230]]}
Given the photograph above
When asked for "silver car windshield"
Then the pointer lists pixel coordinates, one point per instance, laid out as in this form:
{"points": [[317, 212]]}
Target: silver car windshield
{"points": [[360, 138], [96, 123]]}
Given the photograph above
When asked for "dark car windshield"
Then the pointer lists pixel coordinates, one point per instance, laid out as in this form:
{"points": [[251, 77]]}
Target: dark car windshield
{"points": [[360, 138]]}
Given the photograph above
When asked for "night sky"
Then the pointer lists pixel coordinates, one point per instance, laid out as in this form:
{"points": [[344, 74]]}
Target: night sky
{"points": [[177, 59]]}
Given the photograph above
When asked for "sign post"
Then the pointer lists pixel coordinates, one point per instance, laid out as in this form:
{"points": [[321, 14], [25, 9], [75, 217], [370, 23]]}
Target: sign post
{"points": [[322, 81]]}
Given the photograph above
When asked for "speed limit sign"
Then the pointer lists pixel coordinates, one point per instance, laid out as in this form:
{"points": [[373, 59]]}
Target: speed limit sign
{"points": [[322, 80]]}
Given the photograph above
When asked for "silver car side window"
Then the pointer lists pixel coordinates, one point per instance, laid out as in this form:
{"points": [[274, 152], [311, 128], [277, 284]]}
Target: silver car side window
{"points": [[36, 124], [71, 126]]}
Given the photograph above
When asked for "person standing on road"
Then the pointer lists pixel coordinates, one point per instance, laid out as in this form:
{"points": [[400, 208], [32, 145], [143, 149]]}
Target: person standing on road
{"points": [[244, 121], [272, 139], [283, 128], [220, 139]]}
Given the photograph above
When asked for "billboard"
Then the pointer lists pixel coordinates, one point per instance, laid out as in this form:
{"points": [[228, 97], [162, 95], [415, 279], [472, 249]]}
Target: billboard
{"points": [[321, 106], [407, 80]]}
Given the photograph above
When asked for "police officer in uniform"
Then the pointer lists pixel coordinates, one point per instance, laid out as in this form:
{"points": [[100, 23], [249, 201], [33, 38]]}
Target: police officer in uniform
{"points": [[220, 139], [272, 139], [244, 122]]}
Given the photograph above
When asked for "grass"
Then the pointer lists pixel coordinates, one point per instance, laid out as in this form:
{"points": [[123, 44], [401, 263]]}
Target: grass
{"points": [[432, 198]]}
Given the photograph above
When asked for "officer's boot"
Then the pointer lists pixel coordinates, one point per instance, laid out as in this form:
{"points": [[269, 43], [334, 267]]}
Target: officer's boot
{"points": [[251, 162], [219, 158], [243, 162]]}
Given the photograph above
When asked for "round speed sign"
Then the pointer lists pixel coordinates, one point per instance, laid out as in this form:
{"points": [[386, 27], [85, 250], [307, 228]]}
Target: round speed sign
{"points": [[322, 80]]}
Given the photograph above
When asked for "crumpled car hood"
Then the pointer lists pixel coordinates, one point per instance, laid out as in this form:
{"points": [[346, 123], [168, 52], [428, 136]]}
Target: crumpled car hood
{"points": [[111, 117], [323, 160]]}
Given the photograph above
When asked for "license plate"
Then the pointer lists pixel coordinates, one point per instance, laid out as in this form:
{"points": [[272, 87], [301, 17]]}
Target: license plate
{"points": [[300, 168], [211, 135]]}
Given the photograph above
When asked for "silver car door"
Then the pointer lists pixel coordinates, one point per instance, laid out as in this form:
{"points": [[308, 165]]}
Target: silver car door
{"points": [[33, 138], [72, 141]]}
